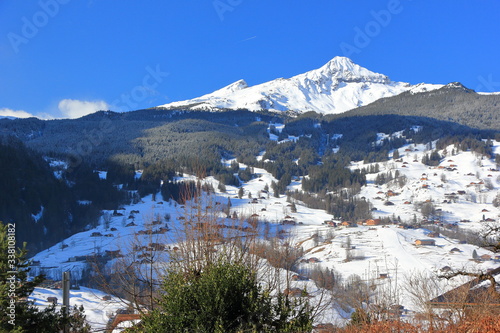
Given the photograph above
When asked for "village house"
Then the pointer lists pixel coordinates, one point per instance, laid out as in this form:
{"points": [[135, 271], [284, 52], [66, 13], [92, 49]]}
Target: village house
{"points": [[372, 222], [295, 292], [156, 247], [77, 258], [288, 222], [312, 260], [348, 224], [113, 254], [475, 293], [52, 300], [431, 242], [297, 277], [485, 257]]}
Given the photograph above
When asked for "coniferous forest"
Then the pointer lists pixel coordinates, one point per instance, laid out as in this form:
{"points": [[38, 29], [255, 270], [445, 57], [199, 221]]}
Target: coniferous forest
{"points": [[57, 200]]}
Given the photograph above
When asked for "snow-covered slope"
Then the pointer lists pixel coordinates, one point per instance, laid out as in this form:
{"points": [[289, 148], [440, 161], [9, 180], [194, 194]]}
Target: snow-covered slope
{"points": [[97, 310], [338, 86], [461, 188]]}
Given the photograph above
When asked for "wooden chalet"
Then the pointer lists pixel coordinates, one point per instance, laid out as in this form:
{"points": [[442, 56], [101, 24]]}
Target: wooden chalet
{"points": [[348, 224], [431, 242], [372, 222], [120, 318], [313, 260], [52, 299], [475, 293], [331, 224], [295, 292], [485, 257]]}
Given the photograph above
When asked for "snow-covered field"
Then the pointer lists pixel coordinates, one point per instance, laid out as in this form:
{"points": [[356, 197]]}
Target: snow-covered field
{"points": [[381, 255], [97, 310]]}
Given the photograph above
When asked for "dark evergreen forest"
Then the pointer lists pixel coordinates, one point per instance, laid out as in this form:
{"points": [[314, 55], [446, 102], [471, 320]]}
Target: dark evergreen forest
{"points": [[166, 143]]}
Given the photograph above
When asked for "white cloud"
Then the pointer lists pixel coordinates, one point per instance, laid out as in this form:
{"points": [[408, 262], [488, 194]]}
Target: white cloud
{"points": [[13, 113], [73, 108]]}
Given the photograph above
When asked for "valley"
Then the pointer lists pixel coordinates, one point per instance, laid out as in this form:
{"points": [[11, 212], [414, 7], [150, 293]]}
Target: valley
{"points": [[339, 188], [382, 253]]}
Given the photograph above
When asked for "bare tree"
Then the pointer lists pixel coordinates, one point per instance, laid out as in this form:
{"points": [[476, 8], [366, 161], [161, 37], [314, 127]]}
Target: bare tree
{"points": [[133, 271], [421, 287]]}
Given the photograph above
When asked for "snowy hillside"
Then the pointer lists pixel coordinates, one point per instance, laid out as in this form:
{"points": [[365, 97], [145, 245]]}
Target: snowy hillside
{"points": [[338, 86], [98, 308], [461, 188]]}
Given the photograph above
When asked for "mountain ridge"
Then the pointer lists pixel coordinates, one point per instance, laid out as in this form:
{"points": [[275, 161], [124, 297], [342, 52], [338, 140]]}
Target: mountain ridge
{"points": [[338, 86], [453, 102]]}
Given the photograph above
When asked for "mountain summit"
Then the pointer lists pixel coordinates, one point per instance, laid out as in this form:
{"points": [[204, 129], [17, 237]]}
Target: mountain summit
{"points": [[343, 69], [338, 86]]}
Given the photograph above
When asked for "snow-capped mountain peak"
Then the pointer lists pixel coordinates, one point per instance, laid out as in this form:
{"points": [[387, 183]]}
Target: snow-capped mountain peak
{"points": [[338, 86], [233, 87], [344, 69]]}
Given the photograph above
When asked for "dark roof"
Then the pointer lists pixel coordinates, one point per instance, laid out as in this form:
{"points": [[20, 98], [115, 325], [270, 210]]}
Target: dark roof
{"points": [[469, 294]]}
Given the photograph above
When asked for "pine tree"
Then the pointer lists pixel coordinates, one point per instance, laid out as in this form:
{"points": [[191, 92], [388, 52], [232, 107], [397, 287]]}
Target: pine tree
{"points": [[395, 155], [18, 314]]}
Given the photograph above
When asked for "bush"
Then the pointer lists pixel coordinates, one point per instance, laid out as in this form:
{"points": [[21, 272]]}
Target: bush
{"points": [[225, 297]]}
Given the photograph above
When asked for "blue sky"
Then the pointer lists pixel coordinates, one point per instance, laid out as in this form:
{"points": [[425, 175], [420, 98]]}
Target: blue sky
{"points": [[66, 58]]}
